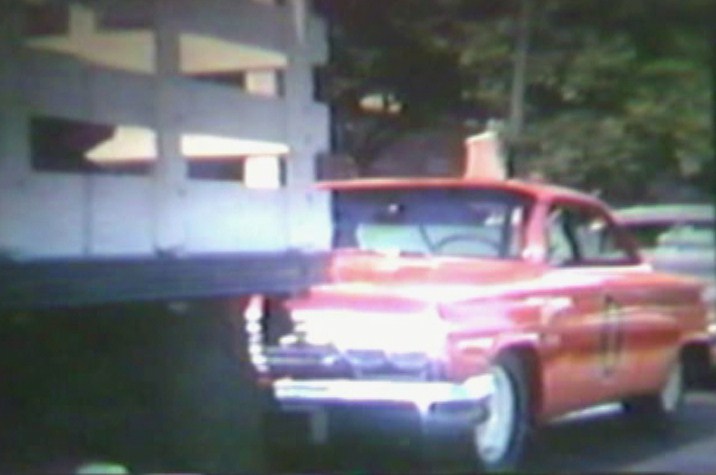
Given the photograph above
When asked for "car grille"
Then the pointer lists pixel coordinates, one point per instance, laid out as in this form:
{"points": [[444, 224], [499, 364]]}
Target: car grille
{"points": [[305, 361]]}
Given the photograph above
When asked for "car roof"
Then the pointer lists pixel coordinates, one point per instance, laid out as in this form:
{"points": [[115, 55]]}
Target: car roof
{"points": [[539, 191], [671, 212]]}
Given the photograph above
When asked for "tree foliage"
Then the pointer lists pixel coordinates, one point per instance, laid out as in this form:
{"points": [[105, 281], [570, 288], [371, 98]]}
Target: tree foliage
{"points": [[618, 94]]}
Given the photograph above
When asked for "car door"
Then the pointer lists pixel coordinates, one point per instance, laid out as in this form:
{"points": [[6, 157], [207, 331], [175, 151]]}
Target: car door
{"points": [[620, 300], [640, 339], [574, 337]]}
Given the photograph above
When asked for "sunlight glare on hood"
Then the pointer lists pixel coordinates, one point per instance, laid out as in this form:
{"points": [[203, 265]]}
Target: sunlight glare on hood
{"points": [[424, 332]]}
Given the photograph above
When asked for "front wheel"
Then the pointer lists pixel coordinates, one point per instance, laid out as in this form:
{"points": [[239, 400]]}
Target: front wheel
{"points": [[499, 440]]}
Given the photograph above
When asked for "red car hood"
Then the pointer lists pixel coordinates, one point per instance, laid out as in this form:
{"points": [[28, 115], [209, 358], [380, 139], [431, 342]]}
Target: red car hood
{"points": [[348, 266], [404, 281]]}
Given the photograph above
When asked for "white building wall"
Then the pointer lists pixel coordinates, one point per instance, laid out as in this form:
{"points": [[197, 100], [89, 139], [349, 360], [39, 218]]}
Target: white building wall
{"points": [[76, 215], [43, 216], [226, 217], [120, 215], [226, 112]]}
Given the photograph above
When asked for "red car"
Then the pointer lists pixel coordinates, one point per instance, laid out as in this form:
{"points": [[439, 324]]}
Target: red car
{"points": [[492, 306]]}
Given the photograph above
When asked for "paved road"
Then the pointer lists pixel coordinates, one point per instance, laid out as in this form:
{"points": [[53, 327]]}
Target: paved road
{"points": [[610, 443], [606, 442]]}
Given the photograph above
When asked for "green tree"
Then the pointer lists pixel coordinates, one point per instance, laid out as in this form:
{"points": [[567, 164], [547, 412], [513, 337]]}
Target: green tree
{"points": [[626, 103], [617, 94]]}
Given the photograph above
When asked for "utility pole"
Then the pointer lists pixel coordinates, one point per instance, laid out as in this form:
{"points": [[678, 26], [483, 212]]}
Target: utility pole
{"points": [[517, 97]]}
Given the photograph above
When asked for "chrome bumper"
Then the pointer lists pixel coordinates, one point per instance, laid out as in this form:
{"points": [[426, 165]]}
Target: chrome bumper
{"points": [[436, 399], [439, 405]]}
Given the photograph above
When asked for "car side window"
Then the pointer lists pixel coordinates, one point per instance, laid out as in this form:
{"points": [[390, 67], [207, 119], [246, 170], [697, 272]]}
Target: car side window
{"points": [[599, 242], [584, 236]]}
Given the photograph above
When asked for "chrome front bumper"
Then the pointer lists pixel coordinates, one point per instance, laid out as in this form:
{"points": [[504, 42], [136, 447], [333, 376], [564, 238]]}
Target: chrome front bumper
{"points": [[439, 405], [433, 399]]}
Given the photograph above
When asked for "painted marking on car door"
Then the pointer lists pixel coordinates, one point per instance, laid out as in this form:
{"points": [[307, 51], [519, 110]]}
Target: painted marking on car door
{"points": [[611, 338]]}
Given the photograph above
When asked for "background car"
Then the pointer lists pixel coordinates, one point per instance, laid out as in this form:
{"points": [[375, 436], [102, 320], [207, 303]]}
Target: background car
{"points": [[681, 239], [678, 238]]}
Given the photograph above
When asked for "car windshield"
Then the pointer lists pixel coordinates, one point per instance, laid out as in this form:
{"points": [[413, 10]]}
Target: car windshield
{"points": [[446, 222]]}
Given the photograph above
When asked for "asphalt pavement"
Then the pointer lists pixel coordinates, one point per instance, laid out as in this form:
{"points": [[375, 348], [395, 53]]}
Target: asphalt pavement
{"points": [[603, 441], [610, 442]]}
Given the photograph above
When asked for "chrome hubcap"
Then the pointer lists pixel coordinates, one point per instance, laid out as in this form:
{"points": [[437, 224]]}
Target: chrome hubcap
{"points": [[671, 394], [493, 436]]}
